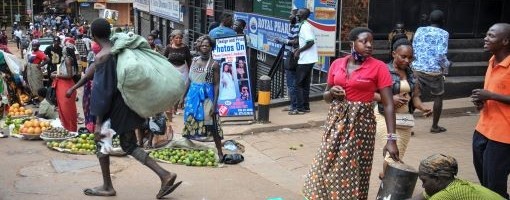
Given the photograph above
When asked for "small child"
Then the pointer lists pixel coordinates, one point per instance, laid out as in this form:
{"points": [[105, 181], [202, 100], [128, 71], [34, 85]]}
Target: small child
{"points": [[46, 110]]}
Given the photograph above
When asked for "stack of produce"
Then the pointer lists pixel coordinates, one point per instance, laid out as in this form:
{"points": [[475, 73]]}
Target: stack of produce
{"points": [[24, 98], [186, 157], [83, 144], [56, 132], [16, 123], [19, 111], [34, 127]]}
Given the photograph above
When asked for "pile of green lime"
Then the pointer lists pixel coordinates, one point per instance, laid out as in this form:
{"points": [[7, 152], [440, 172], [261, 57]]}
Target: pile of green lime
{"points": [[186, 157], [83, 144]]}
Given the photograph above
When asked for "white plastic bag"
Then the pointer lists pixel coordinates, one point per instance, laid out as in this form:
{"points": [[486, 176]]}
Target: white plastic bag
{"points": [[106, 141]]}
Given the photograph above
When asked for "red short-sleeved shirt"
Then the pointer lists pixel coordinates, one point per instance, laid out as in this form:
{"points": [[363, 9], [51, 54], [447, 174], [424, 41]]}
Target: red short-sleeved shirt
{"points": [[371, 76], [38, 56]]}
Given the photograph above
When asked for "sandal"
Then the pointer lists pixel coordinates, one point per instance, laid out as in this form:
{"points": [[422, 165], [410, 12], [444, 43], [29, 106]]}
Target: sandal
{"points": [[2, 135], [439, 129], [168, 188]]}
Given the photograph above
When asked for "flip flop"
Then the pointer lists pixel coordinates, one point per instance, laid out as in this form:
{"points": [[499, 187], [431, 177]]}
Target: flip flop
{"points": [[2, 135], [167, 189], [439, 129], [96, 192]]}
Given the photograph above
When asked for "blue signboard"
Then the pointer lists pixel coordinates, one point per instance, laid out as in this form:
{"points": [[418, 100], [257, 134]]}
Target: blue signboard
{"points": [[262, 31]]}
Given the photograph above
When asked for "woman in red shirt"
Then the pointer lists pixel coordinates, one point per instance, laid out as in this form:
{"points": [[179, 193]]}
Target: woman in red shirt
{"points": [[34, 71], [342, 166]]}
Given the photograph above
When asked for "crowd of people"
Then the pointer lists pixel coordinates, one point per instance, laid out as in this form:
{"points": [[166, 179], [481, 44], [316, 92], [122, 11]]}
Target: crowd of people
{"points": [[81, 56]]}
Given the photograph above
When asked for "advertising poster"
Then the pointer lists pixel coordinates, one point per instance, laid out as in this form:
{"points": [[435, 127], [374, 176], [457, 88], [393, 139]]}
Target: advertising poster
{"points": [[323, 18], [235, 98], [110, 15], [262, 31]]}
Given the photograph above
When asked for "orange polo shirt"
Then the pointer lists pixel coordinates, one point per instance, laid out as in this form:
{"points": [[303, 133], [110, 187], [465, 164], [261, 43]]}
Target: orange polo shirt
{"points": [[494, 122]]}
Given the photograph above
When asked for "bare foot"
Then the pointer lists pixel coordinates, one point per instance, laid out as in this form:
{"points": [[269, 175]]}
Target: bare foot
{"points": [[99, 191]]}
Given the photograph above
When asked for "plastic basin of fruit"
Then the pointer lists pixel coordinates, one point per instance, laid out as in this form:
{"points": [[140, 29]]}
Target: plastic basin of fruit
{"points": [[48, 139], [31, 136]]}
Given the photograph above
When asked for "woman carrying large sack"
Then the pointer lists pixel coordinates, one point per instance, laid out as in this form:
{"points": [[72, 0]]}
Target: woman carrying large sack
{"points": [[63, 81]]}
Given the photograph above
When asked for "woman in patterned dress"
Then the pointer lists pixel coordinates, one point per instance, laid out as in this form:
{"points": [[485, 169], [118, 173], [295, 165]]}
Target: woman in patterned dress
{"points": [[341, 168], [200, 116]]}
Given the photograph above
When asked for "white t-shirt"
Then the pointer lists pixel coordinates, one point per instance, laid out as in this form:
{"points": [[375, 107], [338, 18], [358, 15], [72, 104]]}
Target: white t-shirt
{"points": [[18, 33], [306, 34]]}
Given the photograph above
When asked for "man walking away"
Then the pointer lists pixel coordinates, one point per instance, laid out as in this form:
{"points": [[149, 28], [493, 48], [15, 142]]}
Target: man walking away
{"points": [[81, 47], [430, 45], [491, 139], [307, 56]]}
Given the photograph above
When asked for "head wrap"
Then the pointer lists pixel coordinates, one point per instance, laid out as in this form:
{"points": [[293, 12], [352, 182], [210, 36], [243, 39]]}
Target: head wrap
{"points": [[439, 165]]}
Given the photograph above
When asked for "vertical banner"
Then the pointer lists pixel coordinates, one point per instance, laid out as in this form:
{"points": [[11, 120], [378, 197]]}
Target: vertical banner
{"points": [[323, 19], [235, 98], [210, 8]]}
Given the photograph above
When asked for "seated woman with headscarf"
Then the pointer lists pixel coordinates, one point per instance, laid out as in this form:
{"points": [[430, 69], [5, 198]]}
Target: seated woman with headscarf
{"points": [[438, 172]]}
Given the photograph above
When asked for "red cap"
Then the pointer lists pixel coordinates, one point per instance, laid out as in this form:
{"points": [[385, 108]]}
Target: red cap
{"points": [[68, 39]]}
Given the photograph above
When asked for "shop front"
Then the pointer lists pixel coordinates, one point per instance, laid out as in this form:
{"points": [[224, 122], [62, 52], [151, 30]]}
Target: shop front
{"points": [[165, 15], [142, 17]]}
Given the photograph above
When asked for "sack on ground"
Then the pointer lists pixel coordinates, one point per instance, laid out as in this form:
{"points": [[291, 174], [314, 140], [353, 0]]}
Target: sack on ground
{"points": [[404, 120], [149, 84]]}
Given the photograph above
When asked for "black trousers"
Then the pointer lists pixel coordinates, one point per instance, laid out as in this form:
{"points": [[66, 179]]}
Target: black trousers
{"points": [[492, 163], [303, 79]]}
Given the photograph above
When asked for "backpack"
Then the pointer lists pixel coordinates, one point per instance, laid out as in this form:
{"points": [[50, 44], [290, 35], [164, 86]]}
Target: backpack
{"points": [[148, 83]]}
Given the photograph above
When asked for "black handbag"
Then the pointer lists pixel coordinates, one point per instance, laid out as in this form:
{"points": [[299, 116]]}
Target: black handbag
{"points": [[157, 124], [51, 96]]}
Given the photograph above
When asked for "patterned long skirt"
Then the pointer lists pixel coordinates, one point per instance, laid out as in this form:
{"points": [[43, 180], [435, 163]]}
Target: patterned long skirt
{"points": [[341, 168], [35, 78]]}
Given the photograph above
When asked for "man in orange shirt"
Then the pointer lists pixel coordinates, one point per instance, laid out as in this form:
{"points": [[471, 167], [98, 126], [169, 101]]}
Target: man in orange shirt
{"points": [[491, 139]]}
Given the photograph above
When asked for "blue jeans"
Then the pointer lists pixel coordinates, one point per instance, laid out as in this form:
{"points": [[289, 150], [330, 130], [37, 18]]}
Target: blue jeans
{"points": [[492, 163], [303, 80], [291, 88]]}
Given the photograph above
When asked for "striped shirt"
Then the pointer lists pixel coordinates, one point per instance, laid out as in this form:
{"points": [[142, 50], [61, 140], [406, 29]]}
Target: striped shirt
{"points": [[292, 35]]}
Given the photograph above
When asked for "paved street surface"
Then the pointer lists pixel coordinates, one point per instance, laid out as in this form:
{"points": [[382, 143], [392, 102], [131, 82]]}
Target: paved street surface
{"points": [[271, 168]]}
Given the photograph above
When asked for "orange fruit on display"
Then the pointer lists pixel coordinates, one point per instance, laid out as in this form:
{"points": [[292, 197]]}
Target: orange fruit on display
{"points": [[15, 105], [28, 112], [30, 130], [27, 124], [35, 124], [22, 109], [23, 130], [37, 131]]}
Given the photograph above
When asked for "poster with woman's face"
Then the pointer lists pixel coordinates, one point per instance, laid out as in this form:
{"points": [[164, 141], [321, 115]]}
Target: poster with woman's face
{"points": [[241, 70]]}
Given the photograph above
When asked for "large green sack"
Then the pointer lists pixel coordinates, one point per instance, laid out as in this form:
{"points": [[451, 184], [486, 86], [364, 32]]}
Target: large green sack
{"points": [[149, 84]]}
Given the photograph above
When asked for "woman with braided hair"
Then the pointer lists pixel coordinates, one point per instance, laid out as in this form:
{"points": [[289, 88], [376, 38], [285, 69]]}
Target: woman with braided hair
{"points": [[406, 96]]}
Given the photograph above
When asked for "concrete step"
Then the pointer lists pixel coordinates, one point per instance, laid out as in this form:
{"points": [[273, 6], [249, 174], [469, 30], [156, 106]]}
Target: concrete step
{"points": [[468, 55], [455, 55], [468, 68], [457, 87], [452, 44]]}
